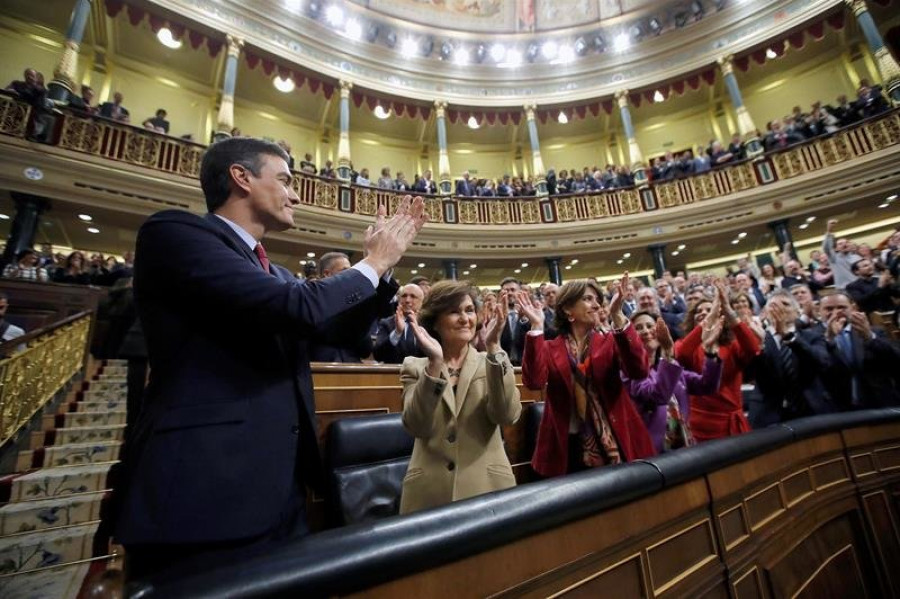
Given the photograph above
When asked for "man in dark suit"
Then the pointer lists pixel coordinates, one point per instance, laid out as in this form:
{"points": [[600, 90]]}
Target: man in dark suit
{"points": [[549, 292], [871, 293], [347, 338], [114, 110], [512, 340], [394, 340], [226, 440], [465, 186], [862, 371], [425, 184], [787, 368]]}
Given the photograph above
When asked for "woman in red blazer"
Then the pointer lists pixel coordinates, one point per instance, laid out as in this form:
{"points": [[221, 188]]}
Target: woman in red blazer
{"points": [[719, 414], [589, 420]]}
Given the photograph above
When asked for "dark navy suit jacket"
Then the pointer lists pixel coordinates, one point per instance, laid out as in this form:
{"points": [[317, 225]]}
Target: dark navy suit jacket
{"points": [[226, 438]]}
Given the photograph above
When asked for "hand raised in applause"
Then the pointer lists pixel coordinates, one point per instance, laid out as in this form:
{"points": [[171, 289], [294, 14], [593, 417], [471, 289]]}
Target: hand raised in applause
{"points": [[615, 306], [494, 323], [388, 239], [664, 338], [429, 346], [531, 309], [400, 321]]}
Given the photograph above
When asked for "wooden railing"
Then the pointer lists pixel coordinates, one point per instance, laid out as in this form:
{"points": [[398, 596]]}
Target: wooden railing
{"points": [[134, 145], [40, 363]]}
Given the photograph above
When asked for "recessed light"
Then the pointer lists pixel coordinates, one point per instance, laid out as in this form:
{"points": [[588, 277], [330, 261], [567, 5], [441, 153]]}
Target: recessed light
{"points": [[381, 113], [166, 38], [4, 217], [310, 254], [303, 263], [574, 260], [93, 230], [568, 267], [473, 266], [735, 241], [524, 265], [810, 219], [681, 247], [770, 54], [804, 225], [466, 272], [517, 271], [891, 198], [884, 205], [626, 255], [675, 253], [742, 234], [414, 272], [285, 85], [86, 217], [421, 265], [619, 261]]}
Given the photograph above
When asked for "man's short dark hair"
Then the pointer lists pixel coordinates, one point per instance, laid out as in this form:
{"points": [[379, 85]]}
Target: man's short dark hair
{"points": [[246, 151], [510, 280], [328, 259]]}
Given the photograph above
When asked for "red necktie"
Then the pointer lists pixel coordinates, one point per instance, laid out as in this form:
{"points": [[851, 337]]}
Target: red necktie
{"points": [[261, 254]]}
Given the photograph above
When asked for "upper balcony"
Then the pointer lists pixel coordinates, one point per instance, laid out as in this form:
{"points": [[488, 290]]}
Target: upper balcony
{"points": [[131, 172]]}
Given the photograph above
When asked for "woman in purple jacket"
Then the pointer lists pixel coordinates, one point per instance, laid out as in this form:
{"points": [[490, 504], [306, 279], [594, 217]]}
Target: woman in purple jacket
{"points": [[662, 397]]}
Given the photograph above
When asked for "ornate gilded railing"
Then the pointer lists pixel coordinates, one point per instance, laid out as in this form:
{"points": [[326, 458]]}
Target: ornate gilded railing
{"points": [[31, 377], [108, 139]]}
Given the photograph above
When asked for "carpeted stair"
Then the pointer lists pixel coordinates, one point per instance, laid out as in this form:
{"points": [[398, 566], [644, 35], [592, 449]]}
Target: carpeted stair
{"points": [[50, 509]]}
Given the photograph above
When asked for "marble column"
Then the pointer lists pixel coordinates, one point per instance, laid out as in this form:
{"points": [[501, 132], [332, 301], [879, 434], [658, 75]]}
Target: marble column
{"points": [[887, 64], [343, 168], [783, 235], [634, 151], [225, 119], [444, 182], [746, 127], [63, 82], [24, 225], [540, 176], [554, 270], [451, 269], [658, 254]]}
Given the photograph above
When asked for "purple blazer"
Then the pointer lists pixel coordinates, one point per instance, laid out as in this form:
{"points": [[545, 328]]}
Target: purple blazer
{"points": [[651, 395]]}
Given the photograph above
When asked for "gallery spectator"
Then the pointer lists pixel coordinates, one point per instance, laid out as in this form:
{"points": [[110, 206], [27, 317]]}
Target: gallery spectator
{"points": [[425, 184], [115, 111], [362, 179], [73, 271], [157, 122], [307, 165], [385, 181], [465, 186], [8, 331], [870, 292], [26, 267], [84, 102], [840, 255], [328, 170]]}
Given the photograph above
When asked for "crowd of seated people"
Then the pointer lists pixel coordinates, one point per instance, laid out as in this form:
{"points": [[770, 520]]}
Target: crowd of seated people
{"points": [[73, 269]]}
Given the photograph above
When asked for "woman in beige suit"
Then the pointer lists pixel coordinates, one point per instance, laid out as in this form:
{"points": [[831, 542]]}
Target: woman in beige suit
{"points": [[455, 400]]}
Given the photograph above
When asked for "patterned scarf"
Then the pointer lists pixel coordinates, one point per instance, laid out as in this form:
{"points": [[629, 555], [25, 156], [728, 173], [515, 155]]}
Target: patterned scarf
{"points": [[678, 432], [598, 442]]}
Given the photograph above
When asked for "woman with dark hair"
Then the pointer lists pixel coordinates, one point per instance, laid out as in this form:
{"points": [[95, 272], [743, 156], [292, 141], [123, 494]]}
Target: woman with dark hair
{"points": [[721, 413], [662, 397], [455, 400], [73, 271], [589, 420]]}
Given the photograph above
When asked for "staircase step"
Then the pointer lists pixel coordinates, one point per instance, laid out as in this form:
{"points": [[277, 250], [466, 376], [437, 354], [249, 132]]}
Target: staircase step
{"points": [[115, 385], [57, 482], [110, 405], [27, 516], [78, 453], [60, 582], [116, 362], [89, 434], [119, 370], [41, 549], [85, 419]]}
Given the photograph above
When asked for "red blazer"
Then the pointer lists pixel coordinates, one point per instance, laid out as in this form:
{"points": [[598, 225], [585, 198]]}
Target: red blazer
{"points": [[546, 364], [719, 414]]}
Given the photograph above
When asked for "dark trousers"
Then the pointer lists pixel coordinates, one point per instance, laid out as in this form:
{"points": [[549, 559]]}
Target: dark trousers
{"points": [[149, 560]]}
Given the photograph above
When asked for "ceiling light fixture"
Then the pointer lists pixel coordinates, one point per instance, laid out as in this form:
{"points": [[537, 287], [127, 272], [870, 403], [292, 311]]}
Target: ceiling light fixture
{"points": [[381, 113], [310, 254], [566, 54], [626, 255], [574, 260], [473, 123], [93, 230], [421, 265], [681, 247], [658, 97], [408, 47], [810, 219], [86, 217], [884, 205], [353, 29], [334, 15], [517, 271], [414, 272], [498, 52], [568, 267], [550, 49], [524, 265], [621, 42], [735, 241], [165, 38], [891, 198], [461, 56], [283, 85], [4, 216], [473, 266], [742, 234], [562, 118], [804, 226], [770, 54], [513, 58], [466, 273]]}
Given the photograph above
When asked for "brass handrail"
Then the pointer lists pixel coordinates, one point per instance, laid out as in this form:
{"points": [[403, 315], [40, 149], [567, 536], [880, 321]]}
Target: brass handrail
{"points": [[31, 377]]}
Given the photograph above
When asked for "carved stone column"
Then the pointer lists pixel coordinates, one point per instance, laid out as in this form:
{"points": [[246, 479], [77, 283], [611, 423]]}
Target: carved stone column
{"points": [[344, 139], [634, 150], [225, 119]]}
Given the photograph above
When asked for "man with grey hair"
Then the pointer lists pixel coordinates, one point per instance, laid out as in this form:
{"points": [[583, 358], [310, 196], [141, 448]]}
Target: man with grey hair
{"points": [[648, 301], [840, 255], [394, 340], [349, 338], [788, 366]]}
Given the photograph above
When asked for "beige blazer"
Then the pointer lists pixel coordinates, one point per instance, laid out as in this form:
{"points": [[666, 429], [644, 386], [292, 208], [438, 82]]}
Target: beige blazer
{"points": [[458, 451]]}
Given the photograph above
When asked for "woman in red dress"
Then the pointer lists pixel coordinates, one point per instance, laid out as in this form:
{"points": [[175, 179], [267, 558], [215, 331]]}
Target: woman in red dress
{"points": [[718, 414], [589, 420]]}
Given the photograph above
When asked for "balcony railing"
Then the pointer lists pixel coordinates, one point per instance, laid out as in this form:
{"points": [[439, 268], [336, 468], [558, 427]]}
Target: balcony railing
{"points": [[108, 139]]}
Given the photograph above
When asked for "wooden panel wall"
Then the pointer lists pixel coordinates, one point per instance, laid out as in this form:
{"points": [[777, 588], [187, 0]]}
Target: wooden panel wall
{"points": [[816, 519]]}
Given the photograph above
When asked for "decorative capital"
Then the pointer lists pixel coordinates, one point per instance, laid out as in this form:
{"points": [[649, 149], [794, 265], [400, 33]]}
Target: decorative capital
{"points": [[622, 98], [726, 64], [440, 106], [235, 45], [345, 85], [529, 111], [857, 6]]}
